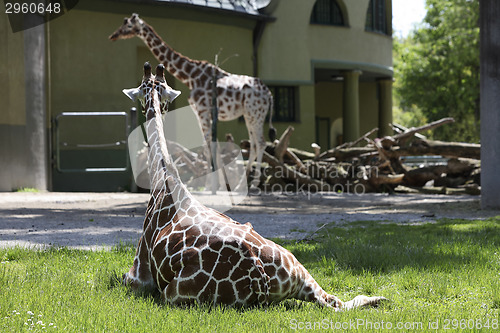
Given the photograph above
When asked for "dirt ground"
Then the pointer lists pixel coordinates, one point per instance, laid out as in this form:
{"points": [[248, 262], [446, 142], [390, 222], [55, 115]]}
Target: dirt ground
{"points": [[102, 220]]}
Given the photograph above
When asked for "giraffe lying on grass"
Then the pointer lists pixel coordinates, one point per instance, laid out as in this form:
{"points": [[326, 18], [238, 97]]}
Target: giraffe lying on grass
{"points": [[194, 254], [237, 95]]}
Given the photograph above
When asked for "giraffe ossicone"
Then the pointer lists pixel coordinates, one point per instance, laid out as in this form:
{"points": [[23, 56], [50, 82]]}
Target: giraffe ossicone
{"points": [[237, 95], [194, 254], [166, 93]]}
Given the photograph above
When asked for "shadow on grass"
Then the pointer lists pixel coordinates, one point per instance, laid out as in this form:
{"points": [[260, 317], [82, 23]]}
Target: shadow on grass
{"points": [[385, 247], [112, 279]]}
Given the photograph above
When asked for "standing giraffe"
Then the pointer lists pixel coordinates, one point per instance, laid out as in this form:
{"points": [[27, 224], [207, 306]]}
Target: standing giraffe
{"points": [[237, 95], [191, 253]]}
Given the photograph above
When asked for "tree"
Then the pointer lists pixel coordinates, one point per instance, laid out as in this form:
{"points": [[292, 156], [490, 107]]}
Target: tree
{"points": [[437, 68]]}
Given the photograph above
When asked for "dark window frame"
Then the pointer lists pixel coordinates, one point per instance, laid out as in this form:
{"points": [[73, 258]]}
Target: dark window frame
{"points": [[327, 12], [285, 103], [376, 17]]}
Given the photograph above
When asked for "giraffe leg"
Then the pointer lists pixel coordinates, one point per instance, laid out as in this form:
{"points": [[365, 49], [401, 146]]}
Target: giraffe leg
{"points": [[363, 301], [205, 120], [358, 302], [312, 292], [257, 146], [260, 146], [171, 294], [251, 159], [139, 277], [185, 288]]}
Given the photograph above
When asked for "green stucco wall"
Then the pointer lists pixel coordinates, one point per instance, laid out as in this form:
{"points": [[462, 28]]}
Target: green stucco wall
{"points": [[291, 43], [12, 108], [22, 111]]}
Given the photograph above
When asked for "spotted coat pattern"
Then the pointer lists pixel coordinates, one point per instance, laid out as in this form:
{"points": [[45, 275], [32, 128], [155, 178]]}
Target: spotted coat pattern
{"points": [[193, 254], [237, 95]]}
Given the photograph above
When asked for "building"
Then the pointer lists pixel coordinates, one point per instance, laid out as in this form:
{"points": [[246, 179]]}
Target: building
{"points": [[328, 63]]}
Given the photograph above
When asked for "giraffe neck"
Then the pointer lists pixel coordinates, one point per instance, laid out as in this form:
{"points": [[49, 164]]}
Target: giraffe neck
{"points": [[188, 71], [163, 174]]}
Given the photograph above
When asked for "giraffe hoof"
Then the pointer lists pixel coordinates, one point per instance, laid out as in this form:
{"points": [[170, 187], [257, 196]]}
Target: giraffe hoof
{"points": [[124, 279], [375, 301], [364, 301]]}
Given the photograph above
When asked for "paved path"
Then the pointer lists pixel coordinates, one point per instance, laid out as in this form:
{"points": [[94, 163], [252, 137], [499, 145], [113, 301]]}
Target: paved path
{"points": [[97, 220]]}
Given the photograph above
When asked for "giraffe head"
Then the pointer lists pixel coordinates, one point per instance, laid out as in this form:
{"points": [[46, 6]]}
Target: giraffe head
{"points": [[150, 87], [131, 27]]}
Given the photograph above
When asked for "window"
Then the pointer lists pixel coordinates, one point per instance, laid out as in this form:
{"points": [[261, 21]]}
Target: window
{"points": [[285, 103], [327, 12], [376, 17]]}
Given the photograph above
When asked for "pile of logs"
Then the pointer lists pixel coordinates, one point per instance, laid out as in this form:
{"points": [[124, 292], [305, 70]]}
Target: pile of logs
{"points": [[374, 165]]}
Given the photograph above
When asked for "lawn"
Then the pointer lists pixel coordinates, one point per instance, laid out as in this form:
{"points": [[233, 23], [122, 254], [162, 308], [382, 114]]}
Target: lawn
{"points": [[443, 275]]}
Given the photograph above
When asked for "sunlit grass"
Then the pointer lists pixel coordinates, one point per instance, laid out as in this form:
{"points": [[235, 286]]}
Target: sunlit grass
{"points": [[432, 273], [26, 190]]}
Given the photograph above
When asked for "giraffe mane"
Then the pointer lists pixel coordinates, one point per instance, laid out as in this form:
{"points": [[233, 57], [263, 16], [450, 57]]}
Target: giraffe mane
{"points": [[202, 62]]}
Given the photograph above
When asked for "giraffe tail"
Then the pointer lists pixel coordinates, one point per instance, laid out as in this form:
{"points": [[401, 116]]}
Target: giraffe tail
{"points": [[272, 131]]}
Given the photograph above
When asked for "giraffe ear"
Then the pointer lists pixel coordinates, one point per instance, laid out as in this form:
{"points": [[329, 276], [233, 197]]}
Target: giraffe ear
{"points": [[133, 93], [170, 94]]}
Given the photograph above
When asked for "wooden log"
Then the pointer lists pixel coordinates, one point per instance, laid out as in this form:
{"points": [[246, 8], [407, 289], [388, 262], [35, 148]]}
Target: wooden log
{"points": [[400, 138], [192, 160], [450, 181], [317, 150], [364, 137], [343, 154], [332, 152], [293, 175], [271, 148], [283, 143], [398, 129], [446, 149], [302, 168], [229, 138], [302, 154], [386, 179], [420, 176], [456, 167]]}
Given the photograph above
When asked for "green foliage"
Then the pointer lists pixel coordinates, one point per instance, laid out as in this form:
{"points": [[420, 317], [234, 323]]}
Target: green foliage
{"points": [[430, 271], [437, 68]]}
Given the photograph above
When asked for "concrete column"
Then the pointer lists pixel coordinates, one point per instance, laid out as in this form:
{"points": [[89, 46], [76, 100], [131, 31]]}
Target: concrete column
{"points": [[351, 105], [490, 103], [36, 119], [385, 108]]}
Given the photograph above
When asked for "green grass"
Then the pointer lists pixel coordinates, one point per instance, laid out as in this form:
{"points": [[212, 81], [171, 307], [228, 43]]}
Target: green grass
{"points": [[445, 273], [26, 190]]}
